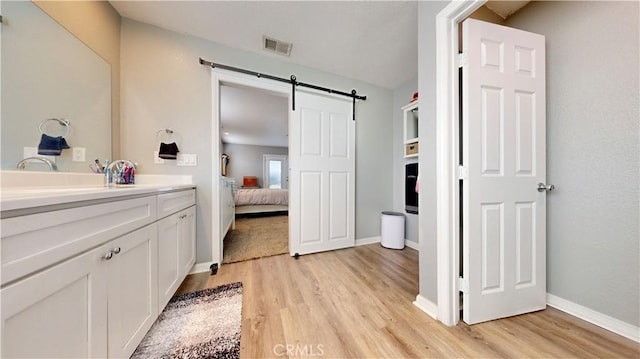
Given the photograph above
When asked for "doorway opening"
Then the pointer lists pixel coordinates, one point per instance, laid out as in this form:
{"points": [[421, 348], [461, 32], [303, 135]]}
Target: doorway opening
{"points": [[476, 176], [237, 97], [254, 140]]}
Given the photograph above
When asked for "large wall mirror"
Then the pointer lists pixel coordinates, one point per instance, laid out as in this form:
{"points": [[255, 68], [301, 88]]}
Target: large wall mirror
{"points": [[48, 73]]}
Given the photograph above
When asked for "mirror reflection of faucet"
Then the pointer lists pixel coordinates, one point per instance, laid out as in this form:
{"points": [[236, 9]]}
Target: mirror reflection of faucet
{"points": [[22, 164], [120, 172]]}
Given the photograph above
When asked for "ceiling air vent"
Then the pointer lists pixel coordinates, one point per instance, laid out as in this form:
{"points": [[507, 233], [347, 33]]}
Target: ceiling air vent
{"points": [[279, 47]]}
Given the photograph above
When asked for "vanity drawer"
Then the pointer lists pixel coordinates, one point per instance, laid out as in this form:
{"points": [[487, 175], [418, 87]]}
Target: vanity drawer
{"points": [[36, 241], [170, 203]]}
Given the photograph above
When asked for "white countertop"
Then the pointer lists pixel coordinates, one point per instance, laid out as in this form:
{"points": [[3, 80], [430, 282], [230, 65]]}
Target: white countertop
{"points": [[22, 198], [24, 190]]}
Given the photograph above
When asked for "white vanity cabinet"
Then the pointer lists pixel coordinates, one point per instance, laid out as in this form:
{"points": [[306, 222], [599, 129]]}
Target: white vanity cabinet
{"points": [[132, 289], [83, 281], [60, 312], [176, 252], [97, 304]]}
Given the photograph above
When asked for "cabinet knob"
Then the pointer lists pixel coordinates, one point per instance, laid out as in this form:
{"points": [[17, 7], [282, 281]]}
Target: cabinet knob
{"points": [[116, 250], [183, 216], [108, 256]]}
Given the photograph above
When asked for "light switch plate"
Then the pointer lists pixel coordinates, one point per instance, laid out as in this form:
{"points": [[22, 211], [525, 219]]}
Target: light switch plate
{"points": [[78, 154], [157, 160], [187, 159]]}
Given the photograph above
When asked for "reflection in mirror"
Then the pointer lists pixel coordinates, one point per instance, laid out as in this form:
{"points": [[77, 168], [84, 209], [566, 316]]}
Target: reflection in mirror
{"points": [[48, 73]]}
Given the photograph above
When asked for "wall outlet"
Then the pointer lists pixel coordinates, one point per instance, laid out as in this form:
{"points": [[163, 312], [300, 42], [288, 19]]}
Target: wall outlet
{"points": [[157, 160], [78, 154]]}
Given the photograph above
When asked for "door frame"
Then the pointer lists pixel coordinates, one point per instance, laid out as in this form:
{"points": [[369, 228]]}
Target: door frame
{"points": [[221, 77], [447, 159]]}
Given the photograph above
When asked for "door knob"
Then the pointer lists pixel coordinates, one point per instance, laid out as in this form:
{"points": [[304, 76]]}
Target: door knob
{"points": [[543, 187]]}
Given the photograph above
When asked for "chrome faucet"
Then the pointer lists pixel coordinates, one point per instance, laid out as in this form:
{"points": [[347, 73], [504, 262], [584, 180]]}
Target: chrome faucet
{"points": [[120, 178], [52, 166]]}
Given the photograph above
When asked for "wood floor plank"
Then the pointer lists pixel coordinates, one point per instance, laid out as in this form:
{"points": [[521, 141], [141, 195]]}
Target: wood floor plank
{"points": [[357, 303]]}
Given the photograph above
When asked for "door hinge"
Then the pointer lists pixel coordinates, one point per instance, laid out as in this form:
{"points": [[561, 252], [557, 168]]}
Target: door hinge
{"points": [[462, 59], [463, 172], [463, 285]]}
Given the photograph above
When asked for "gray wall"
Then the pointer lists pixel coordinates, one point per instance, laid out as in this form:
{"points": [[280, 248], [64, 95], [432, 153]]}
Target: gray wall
{"points": [[246, 160], [164, 86], [401, 97], [592, 152], [427, 12]]}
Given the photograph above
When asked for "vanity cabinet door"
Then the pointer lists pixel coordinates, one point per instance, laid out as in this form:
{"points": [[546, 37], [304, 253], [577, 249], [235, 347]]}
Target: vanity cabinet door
{"points": [[187, 240], [169, 247], [60, 312], [133, 289], [176, 252]]}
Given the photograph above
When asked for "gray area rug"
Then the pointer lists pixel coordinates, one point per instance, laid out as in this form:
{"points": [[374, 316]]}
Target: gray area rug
{"points": [[202, 324]]}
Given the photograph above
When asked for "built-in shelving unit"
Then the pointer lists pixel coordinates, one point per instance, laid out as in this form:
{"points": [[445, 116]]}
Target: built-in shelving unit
{"points": [[410, 138]]}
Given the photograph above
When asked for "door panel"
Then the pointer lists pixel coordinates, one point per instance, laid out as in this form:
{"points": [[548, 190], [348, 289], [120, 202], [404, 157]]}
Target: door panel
{"points": [[187, 241], [310, 212], [503, 144], [168, 253], [338, 205], [60, 312], [322, 158], [133, 290]]}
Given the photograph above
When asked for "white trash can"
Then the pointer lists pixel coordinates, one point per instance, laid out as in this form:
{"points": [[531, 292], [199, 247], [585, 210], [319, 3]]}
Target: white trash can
{"points": [[392, 230]]}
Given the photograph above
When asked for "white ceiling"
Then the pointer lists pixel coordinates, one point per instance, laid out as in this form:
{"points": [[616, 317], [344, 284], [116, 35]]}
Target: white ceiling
{"points": [[371, 41], [253, 117]]}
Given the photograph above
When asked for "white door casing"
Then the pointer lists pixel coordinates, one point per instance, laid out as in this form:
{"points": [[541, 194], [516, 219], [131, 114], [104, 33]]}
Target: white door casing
{"points": [[221, 77], [504, 216], [322, 186]]}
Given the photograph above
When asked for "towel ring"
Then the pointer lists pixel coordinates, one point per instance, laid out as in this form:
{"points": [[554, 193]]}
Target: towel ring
{"points": [[167, 131], [61, 121]]}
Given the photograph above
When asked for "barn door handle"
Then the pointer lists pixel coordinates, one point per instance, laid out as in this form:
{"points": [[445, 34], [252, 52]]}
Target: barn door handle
{"points": [[545, 187]]}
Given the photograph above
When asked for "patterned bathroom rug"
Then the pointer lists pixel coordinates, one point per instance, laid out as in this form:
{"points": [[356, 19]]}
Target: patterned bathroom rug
{"points": [[202, 324]]}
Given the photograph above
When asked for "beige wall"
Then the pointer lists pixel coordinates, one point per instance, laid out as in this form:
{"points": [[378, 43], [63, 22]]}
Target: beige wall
{"points": [[97, 25]]}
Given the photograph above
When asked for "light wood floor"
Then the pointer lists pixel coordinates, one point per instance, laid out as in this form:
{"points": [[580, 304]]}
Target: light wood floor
{"points": [[357, 302]]}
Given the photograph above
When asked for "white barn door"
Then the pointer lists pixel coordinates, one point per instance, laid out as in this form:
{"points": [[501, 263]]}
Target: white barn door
{"points": [[504, 158], [322, 186]]}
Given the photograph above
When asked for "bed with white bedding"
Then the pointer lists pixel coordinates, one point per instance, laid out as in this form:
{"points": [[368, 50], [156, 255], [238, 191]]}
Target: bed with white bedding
{"points": [[261, 200]]}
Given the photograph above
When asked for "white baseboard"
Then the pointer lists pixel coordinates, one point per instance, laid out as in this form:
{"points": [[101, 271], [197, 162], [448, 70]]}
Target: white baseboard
{"points": [[201, 267], [426, 306], [365, 241], [412, 244], [602, 320]]}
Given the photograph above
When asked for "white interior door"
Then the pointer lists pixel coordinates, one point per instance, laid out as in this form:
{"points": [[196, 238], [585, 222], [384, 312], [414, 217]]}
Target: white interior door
{"points": [[504, 224], [322, 189]]}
